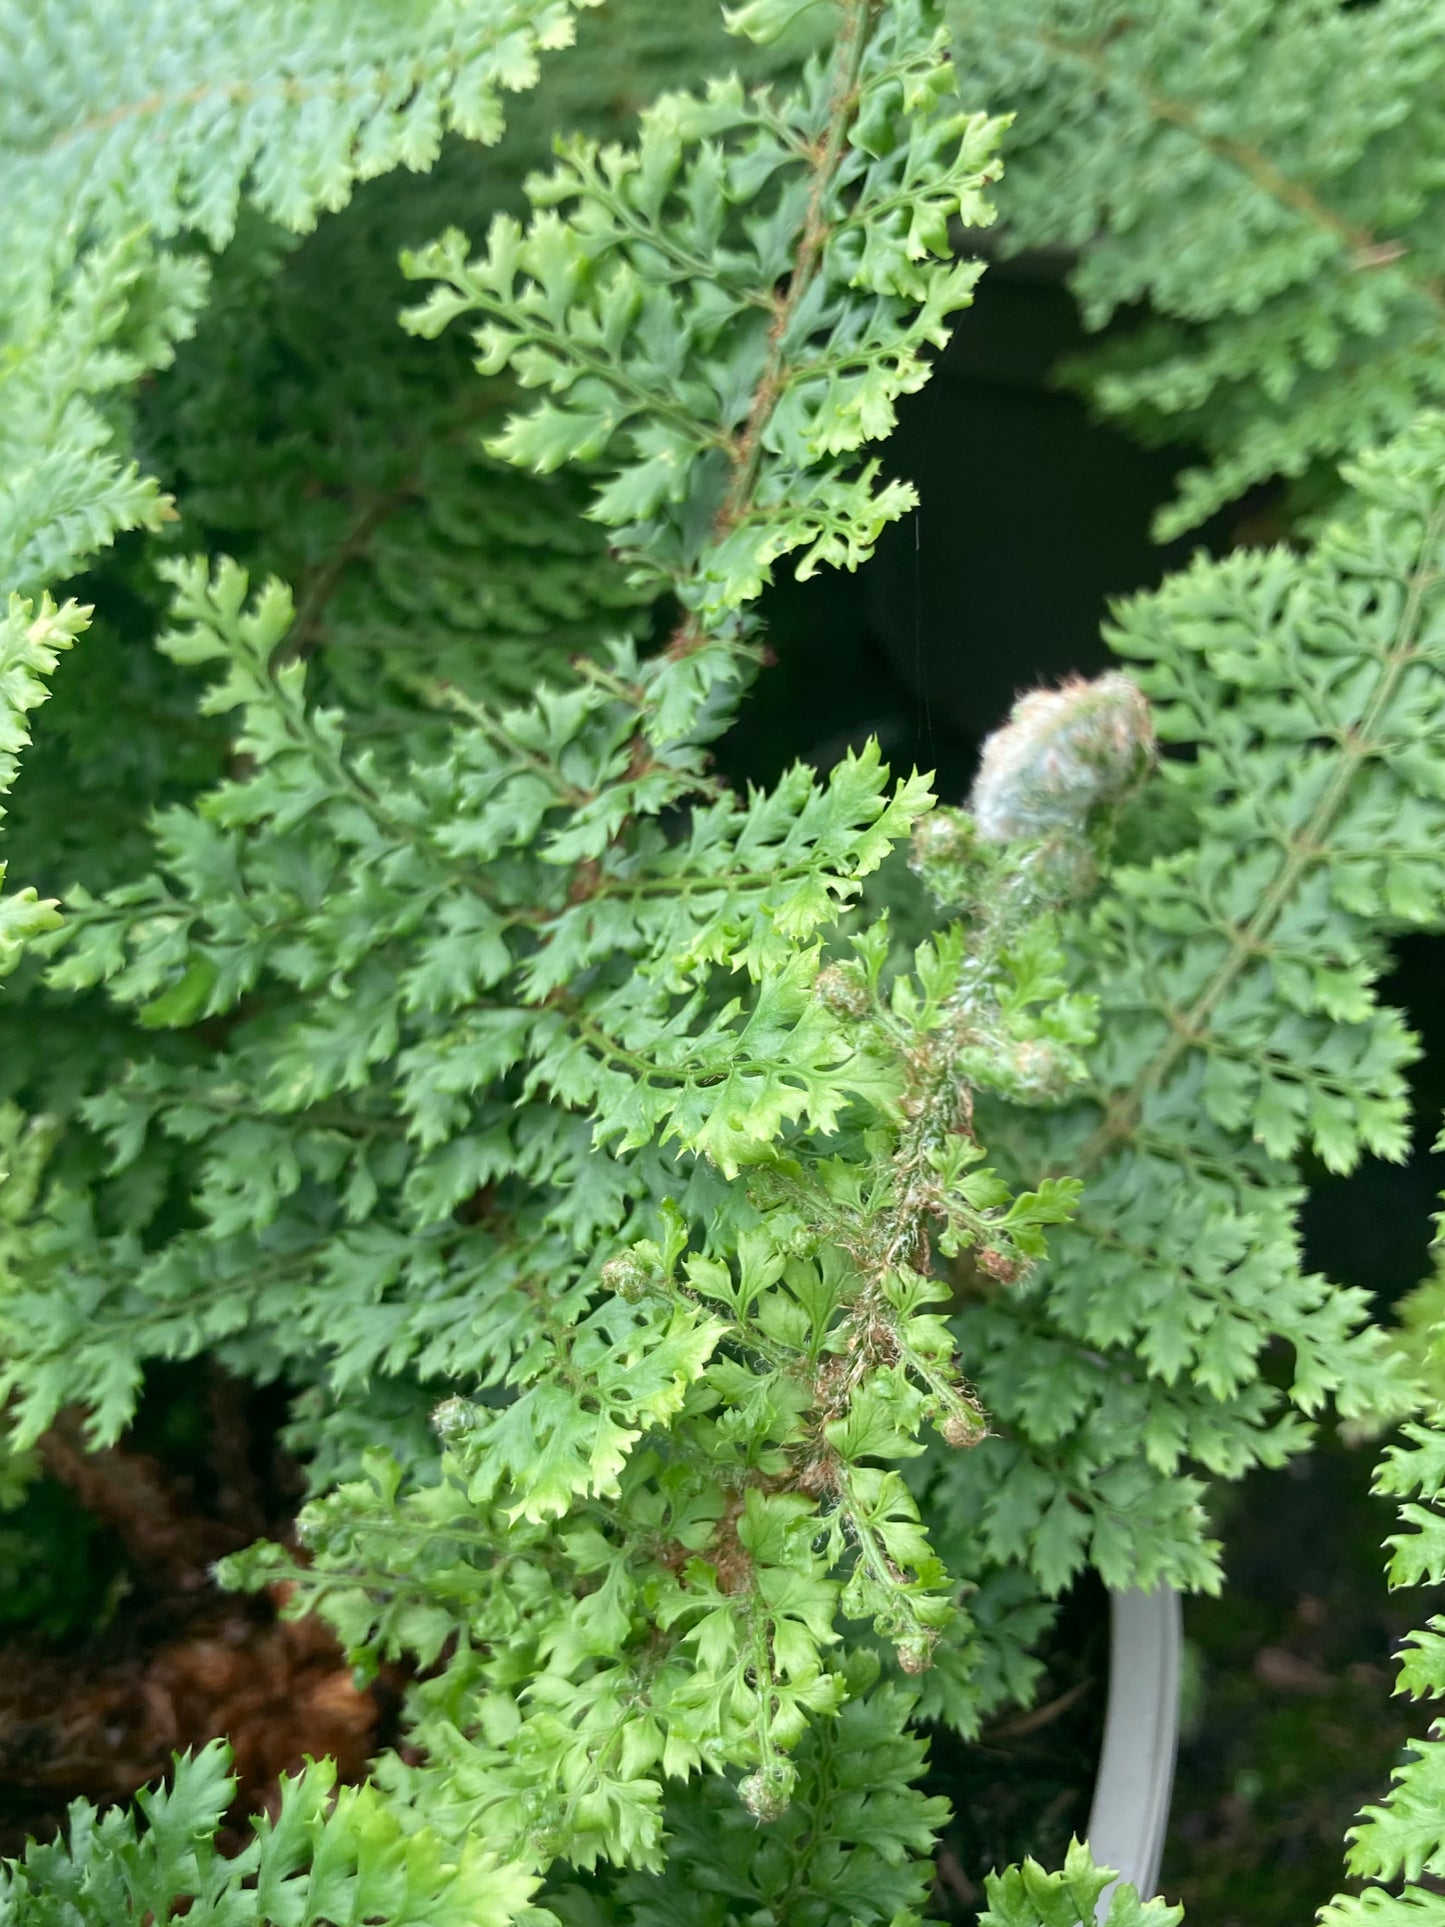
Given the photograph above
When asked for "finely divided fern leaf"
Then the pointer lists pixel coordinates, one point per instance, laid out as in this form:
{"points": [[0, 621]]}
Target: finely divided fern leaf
{"points": [[724, 314], [31, 641], [329, 1854], [1238, 1026], [1402, 1839], [160, 120], [167, 115]]}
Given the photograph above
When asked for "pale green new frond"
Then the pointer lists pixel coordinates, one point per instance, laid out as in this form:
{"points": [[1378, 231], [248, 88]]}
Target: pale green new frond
{"points": [[329, 1854], [1405, 1838], [1402, 1838], [722, 316], [543, 1451], [31, 641], [1377, 1907], [866, 1859], [710, 900], [1028, 1896]]}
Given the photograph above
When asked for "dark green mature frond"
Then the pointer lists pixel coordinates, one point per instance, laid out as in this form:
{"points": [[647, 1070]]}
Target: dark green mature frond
{"points": [[333, 451], [167, 116], [1238, 1025], [1268, 181], [66, 486], [161, 120]]}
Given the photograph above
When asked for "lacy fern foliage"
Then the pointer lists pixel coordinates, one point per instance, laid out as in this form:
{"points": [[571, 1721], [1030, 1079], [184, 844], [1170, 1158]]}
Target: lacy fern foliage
{"points": [[1400, 1843], [1238, 1024], [121, 138], [449, 984], [330, 1854], [1028, 1896], [654, 310], [166, 118], [32, 638], [1267, 181]]}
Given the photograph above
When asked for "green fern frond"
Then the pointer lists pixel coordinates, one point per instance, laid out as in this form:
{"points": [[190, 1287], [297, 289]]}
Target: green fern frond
{"points": [[840, 1845], [724, 315], [1267, 180], [452, 1039], [1401, 1840], [168, 116], [1028, 1896], [31, 642], [1238, 1026], [67, 490], [162, 122], [329, 1854]]}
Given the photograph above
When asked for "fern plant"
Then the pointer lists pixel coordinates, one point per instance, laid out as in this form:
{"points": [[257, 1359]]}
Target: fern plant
{"points": [[433, 1030]]}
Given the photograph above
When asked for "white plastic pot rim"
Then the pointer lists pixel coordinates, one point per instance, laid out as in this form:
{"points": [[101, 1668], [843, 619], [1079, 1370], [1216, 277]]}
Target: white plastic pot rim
{"points": [[1130, 1811]]}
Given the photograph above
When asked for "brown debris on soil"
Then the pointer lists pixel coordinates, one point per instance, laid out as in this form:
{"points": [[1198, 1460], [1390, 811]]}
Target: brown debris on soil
{"points": [[184, 1662]]}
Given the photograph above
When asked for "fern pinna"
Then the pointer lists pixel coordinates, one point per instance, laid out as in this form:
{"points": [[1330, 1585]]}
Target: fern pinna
{"points": [[654, 1237]]}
